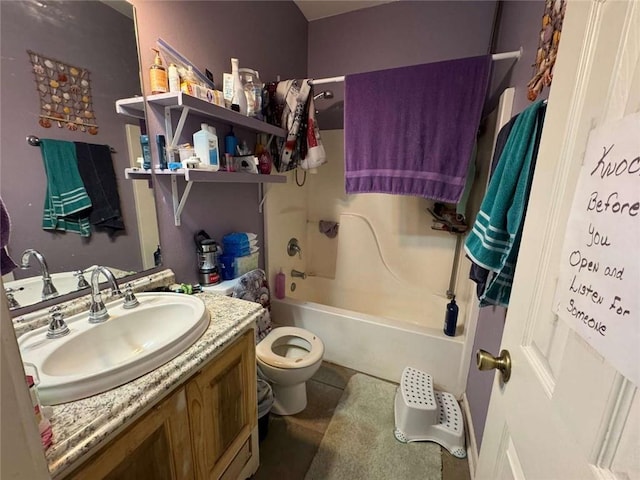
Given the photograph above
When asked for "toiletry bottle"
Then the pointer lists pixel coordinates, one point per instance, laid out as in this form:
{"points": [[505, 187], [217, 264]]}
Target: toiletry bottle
{"points": [[230, 143], [280, 282], [451, 318], [158, 75], [239, 100], [188, 79], [162, 152], [214, 150], [174, 78], [205, 144], [146, 151]]}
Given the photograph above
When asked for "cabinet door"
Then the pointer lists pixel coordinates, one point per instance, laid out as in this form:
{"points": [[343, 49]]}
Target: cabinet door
{"points": [[222, 407], [156, 447]]}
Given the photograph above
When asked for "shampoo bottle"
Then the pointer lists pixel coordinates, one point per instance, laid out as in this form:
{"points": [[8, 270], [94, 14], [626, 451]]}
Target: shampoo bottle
{"points": [[239, 97], [451, 318], [158, 75], [280, 281]]}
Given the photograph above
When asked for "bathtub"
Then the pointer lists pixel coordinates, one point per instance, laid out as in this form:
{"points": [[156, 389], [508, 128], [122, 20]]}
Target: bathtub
{"points": [[377, 346]]}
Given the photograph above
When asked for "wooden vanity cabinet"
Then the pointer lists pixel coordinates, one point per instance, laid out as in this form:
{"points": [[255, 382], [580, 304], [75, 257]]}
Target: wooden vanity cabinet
{"points": [[156, 447], [222, 404], [205, 430]]}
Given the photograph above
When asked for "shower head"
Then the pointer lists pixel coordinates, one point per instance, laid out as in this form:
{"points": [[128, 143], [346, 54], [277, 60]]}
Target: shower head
{"points": [[325, 94]]}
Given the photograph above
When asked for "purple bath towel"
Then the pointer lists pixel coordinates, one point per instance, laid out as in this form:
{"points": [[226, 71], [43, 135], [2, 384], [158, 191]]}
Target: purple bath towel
{"points": [[411, 130]]}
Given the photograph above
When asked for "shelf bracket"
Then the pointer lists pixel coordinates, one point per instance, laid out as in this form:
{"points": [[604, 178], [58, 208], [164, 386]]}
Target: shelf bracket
{"points": [[179, 202], [262, 196], [172, 138]]}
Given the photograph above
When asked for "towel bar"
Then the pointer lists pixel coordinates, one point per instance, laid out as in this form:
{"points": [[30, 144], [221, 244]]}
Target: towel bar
{"points": [[35, 142]]}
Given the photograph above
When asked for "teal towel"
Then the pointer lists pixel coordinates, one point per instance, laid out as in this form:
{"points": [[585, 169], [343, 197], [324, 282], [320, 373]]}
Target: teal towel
{"points": [[494, 240], [66, 203]]}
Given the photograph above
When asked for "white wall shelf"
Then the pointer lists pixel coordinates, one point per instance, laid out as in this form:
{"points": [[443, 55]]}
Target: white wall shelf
{"points": [[131, 107], [194, 175], [187, 104]]}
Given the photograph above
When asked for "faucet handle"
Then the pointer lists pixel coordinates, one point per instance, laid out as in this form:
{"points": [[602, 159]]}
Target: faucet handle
{"points": [[57, 326], [130, 300], [82, 282]]}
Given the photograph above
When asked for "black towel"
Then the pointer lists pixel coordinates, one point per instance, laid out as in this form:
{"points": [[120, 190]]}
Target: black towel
{"points": [[99, 178]]}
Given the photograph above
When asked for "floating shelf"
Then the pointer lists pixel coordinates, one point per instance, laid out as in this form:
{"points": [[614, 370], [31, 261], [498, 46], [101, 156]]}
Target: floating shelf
{"points": [[194, 175]]}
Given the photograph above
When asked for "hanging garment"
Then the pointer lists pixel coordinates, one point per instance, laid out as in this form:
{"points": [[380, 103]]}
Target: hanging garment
{"points": [[303, 146], [494, 240], [411, 130], [96, 170], [66, 203], [7, 265]]}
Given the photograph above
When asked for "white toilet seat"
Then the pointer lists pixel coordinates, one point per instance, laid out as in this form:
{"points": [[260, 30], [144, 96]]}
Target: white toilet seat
{"points": [[265, 353]]}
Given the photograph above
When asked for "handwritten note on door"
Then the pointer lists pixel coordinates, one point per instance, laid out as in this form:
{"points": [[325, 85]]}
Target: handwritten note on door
{"points": [[598, 292]]}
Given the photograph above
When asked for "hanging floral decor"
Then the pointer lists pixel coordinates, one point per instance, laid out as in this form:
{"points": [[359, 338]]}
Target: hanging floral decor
{"points": [[65, 94], [547, 47]]}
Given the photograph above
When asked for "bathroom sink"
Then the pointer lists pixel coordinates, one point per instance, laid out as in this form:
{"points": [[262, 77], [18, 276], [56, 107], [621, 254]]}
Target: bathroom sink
{"points": [[94, 358]]}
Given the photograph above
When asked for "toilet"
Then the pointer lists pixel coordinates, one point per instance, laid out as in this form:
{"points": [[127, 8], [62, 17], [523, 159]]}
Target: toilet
{"points": [[288, 357]]}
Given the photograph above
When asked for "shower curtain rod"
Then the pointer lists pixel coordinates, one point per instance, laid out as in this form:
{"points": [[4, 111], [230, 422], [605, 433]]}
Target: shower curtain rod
{"points": [[496, 56]]}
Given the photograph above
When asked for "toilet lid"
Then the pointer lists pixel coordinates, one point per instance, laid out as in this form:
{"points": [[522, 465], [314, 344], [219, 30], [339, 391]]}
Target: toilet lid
{"points": [[264, 350]]}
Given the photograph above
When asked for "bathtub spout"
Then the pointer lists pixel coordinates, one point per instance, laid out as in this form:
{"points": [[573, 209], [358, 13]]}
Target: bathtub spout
{"points": [[297, 274]]}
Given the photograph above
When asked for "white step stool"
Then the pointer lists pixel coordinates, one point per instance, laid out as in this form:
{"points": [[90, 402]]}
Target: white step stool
{"points": [[423, 414]]}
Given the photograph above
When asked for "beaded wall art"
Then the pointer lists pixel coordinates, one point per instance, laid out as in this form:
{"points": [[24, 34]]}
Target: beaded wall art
{"points": [[65, 94]]}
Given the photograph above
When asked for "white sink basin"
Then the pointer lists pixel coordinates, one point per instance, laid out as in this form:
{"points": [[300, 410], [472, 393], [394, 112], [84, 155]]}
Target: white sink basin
{"points": [[94, 358]]}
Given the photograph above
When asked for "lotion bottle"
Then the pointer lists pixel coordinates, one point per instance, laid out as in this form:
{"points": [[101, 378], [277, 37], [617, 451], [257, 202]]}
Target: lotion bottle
{"points": [[174, 78], [239, 97], [158, 75]]}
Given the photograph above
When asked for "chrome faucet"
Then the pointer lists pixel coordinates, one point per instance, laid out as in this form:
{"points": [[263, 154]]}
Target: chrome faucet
{"points": [[97, 311], [11, 300], [48, 290], [297, 274]]}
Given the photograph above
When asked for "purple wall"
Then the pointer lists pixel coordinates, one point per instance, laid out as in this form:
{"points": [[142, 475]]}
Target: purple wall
{"points": [[66, 31], [270, 37], [519, 25], [393, 35]]}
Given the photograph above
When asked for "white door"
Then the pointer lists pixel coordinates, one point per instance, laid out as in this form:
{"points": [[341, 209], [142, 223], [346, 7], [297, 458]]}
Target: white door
{"points": [[566, 413]]}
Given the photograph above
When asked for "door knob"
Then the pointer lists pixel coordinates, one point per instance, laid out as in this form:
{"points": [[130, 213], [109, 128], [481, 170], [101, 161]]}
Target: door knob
{"points": [[486, 361]]}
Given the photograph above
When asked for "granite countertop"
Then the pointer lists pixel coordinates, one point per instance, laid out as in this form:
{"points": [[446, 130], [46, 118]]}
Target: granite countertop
{"points": [[81, 427]]}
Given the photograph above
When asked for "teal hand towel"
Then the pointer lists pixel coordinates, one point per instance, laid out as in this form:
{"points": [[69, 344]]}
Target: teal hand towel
{"points": [[66, 203], [494, 240]]}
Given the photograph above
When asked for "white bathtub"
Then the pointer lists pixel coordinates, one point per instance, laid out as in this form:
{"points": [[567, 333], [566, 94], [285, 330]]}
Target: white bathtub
{"points": [[378, 346]]}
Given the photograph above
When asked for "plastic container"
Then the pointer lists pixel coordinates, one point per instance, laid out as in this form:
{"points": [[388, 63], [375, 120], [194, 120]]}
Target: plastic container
{"points": [[239, 99], [252, 87], [280, 284], [158, 75], [205, 144], [451, 318]]}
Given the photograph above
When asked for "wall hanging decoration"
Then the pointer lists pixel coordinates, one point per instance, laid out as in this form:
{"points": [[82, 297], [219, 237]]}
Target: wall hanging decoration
{"points": [[547, 47], [65, 94]]}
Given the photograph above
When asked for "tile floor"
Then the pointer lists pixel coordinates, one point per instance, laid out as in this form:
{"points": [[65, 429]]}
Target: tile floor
{"points": [[287, 451]]}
